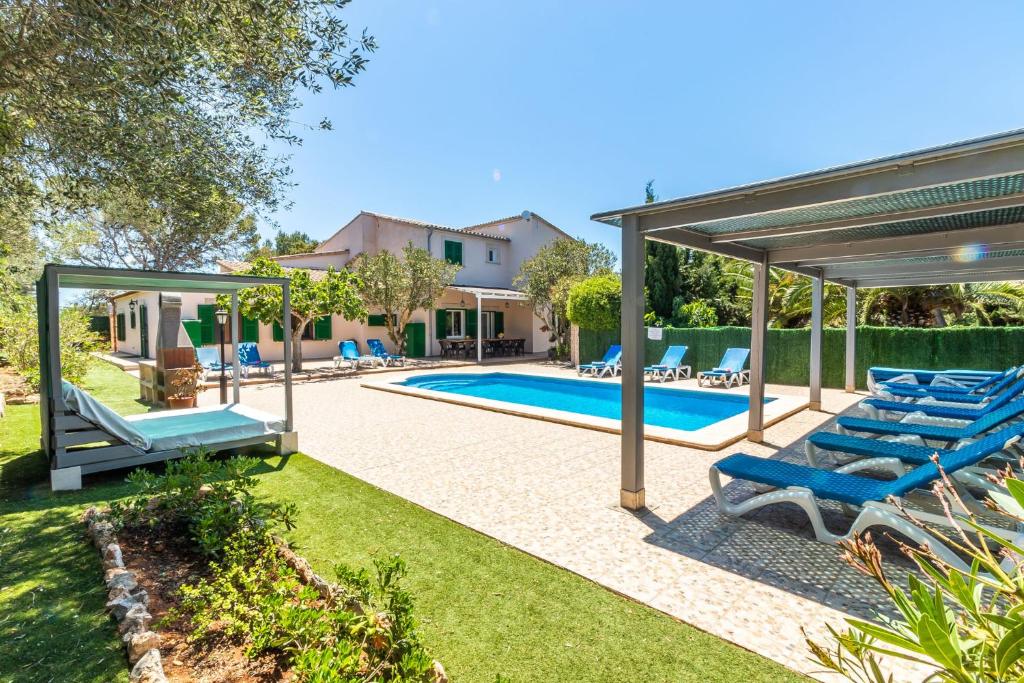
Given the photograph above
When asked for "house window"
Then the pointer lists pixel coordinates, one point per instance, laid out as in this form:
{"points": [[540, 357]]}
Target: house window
{"points": [[455, 324], [493, 254], [453, 252], [120, 327], [487, 325]]}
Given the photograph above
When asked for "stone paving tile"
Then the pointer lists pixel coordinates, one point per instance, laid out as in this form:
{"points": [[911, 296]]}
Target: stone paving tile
{"points": [[552, 490]]}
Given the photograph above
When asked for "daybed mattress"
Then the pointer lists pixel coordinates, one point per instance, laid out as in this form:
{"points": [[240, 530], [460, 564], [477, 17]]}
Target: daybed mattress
{"points": [[204, 426]]}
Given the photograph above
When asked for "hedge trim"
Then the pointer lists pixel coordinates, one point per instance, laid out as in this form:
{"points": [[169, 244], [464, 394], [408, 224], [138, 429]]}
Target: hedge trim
{"points": [[787, 351]]}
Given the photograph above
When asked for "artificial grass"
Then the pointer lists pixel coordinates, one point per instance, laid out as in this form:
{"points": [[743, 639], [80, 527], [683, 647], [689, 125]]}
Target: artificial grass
{"points": [[485, 609]]}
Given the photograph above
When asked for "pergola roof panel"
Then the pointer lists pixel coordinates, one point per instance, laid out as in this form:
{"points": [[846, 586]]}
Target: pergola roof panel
{"points": [[942, 195], [960, 221]]}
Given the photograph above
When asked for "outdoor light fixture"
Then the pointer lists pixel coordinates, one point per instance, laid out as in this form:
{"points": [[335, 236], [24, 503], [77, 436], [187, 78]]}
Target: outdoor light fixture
{"points": [[222, 318], [131, 305]]}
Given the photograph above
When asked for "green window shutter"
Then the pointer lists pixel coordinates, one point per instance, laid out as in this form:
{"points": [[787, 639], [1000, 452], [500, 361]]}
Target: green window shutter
{"points": [[471, 322], [376, 321], [250, 330], [322, 328], [207, 322], [278, 332], [499, 322], [440, 319], [193, 331], [453, 252], [120, 327]]}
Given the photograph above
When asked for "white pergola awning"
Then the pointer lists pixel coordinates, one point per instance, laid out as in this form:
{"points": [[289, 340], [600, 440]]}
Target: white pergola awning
{"points": [[491, 292], [953, 213]]}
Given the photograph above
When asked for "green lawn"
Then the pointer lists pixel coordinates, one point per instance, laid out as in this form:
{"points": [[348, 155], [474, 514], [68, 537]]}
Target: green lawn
{"points": [[486, 609]]}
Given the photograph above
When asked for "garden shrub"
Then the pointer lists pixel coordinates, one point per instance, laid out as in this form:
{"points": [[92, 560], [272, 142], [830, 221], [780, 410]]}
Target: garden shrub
{"points": [[19, 340], [367, 633], [595, 303], [209, 500], [966, 623], [696, 313]]}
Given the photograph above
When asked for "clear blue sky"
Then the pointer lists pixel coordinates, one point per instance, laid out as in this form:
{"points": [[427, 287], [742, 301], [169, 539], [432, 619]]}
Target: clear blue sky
{"points": [[476, 110]]}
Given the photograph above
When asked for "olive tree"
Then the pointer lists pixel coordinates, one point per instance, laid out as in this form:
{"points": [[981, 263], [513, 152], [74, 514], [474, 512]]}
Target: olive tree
{"points": [[401, 286], [547, 277], [313, 294]]}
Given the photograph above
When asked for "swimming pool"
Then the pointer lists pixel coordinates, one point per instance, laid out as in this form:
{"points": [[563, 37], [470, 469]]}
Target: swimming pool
{"points": [[679, 409]]}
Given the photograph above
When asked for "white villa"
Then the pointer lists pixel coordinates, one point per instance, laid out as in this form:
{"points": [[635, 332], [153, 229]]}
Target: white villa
{"points": [[490, 254]]}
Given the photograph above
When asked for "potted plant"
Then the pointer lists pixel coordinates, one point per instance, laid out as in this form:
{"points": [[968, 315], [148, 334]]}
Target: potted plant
{"points": [[185, 386]]}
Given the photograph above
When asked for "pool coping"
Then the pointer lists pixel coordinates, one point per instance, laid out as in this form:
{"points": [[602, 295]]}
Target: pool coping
{"points": [[713, 437]]}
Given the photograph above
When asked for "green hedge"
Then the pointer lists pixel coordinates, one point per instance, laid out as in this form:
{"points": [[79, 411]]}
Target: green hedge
{"points": [[983, 348]]}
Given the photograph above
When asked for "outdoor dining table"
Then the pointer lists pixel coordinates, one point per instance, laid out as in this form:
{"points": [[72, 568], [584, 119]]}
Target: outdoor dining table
{"points": [[493, 346]]}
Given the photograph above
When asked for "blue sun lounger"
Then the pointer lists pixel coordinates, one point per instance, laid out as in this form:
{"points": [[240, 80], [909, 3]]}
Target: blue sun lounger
{"points": [[671, 365], [877, 375], [949, 388], [209, 359], [609, 364], [992, 387], [804, 486], [729, 370], [877, 408], [378, 350], [946, 433], [249, 358]]}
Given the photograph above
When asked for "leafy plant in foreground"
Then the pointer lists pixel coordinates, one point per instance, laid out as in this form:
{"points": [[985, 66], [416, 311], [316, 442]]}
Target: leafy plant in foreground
{"points": [[211, 500], [367, 633], [966, 625]]}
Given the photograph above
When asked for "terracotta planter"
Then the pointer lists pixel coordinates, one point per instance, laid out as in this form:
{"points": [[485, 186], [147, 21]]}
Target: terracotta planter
{"points": [[179, 403]]}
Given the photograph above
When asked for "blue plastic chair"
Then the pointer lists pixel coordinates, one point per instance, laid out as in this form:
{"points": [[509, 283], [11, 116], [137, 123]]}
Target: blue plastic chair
{"points": [[611, 363], [947, 387], [804, 485], [378, 350], [729, 369], [671, 365], [249, 357], [209, 359]]}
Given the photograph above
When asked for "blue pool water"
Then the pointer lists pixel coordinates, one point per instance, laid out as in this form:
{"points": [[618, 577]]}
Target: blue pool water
{"points": [[663, 407]]}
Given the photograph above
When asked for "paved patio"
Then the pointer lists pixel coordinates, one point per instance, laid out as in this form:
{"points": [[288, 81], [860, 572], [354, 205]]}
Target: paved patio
{"points": [[552, 490]]}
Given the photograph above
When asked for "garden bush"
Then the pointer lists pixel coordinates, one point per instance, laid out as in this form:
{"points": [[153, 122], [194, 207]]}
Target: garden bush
{"points": [[595, 303], [697, 313], [19, 340], [965, 623]]}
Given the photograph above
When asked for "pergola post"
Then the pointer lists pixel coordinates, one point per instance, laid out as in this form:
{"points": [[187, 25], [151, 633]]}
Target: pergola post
{"points": [[758, 327], [851, 339], [236, 322], [479, 329], [286, 319], [631, 494], [817, 301]]}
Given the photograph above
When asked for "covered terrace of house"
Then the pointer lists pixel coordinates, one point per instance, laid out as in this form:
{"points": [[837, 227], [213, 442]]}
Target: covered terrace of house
{"points": [[947, 214]]}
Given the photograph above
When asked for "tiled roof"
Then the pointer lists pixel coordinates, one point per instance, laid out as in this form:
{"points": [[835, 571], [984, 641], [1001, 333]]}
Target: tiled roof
{"points": [[435, 226], [235, 266]]}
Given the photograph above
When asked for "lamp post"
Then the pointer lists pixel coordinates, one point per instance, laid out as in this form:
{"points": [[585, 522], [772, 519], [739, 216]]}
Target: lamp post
{"points": [[222, 318]]}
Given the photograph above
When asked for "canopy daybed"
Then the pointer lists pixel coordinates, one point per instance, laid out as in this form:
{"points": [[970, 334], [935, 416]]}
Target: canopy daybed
{"points": [[80, 435]]}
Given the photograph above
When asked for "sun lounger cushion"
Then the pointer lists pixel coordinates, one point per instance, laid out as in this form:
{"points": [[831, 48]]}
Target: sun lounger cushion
{"points": [[984, 423], [168, 430], [205, 426], [92, 410]]}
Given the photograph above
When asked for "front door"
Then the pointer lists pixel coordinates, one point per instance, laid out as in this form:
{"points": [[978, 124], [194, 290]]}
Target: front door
{"points": [[143, 331], [416, 340]]}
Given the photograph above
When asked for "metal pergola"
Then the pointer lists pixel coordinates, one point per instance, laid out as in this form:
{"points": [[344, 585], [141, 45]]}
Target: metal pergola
{"points": [[941, 215]]}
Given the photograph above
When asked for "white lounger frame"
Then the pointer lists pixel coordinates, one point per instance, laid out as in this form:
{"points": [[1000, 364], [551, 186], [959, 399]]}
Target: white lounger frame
{"points": [[872, 513], [661, 374]]}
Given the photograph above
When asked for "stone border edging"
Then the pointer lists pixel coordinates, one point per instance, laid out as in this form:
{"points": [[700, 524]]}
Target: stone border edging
{"points": [[127, 602]]}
